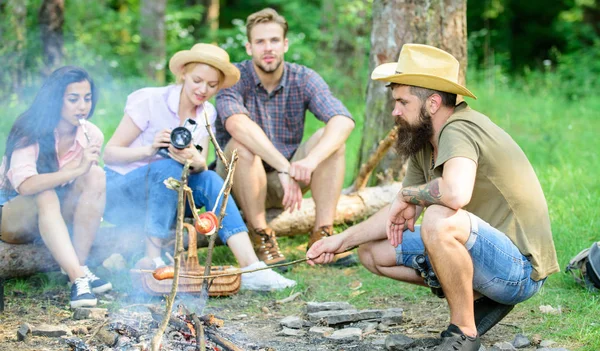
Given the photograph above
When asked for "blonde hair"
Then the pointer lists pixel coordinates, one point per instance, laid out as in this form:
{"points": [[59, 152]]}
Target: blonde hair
{"points": [[190, 67], [266, 15]]}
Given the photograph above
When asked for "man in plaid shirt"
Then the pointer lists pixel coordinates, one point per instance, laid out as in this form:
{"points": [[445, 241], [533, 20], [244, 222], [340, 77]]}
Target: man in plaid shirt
{"points": [[262, 116]]}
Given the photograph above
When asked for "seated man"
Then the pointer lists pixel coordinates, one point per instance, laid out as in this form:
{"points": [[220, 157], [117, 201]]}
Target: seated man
{"points": [[486, 232], [263, 117]]}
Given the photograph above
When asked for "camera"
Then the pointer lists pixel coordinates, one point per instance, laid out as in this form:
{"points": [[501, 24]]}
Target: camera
{"points": [[181, 137]]}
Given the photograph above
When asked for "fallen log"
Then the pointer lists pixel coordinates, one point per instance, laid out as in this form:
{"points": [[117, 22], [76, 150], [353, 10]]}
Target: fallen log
{"points": [[351, 208]]}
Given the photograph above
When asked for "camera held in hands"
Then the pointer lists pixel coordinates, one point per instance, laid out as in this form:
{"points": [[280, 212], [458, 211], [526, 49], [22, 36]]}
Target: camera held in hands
{"points": [[181, 137]]}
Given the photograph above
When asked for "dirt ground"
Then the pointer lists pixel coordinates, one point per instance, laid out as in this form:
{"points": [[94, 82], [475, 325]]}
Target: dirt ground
{"points": [[258, 330]]}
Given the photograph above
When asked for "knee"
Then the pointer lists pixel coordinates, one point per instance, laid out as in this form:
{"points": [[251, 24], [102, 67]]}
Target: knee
{"points": [[365, 255], [95, 180], [436, 225], [244, 154], [164, 169], [47, 199]]}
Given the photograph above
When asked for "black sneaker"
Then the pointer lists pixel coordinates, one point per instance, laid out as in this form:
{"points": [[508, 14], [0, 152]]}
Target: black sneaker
{"points": [[81, 296], [488, 313], [453, 339], [97, 284]]}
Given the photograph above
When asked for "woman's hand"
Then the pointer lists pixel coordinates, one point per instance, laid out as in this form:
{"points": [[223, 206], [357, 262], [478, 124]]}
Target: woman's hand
{"points": [[189, 153], [90, 157], [161, 139]]}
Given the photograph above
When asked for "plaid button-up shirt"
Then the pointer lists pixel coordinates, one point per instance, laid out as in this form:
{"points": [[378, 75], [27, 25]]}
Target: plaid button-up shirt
{"points": [[281, 113]]}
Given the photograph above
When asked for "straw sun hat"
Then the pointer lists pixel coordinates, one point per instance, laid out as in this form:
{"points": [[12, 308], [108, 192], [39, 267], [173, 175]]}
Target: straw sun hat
{"points": [[209, 54], [423, 66]]}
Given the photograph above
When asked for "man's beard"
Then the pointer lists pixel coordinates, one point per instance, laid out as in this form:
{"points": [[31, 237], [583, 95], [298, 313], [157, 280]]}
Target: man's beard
{"points": [[412, 138], [273, 66]]}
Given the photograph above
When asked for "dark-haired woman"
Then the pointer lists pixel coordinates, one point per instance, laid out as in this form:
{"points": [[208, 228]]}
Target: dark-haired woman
{"points": [[51, 180]]}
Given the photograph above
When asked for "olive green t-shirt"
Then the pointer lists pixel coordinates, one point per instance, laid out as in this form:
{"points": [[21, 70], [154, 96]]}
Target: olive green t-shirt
{"points": [[507, 193]]}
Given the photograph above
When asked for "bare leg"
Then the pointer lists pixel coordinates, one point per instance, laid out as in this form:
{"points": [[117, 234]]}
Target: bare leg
{"points": [[249, 185], [326, 181], [379, 257], [444, 232], [241, 247], [55, 234], [85, 204]]}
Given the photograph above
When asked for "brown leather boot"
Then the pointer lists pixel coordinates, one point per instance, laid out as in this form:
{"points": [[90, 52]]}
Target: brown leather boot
{"points": [[265, 246], [345, 259]]}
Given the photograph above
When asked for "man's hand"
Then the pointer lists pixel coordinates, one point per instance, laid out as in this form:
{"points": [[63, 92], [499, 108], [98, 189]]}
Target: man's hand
{"points": [[302, 170], [400, 216], [324, 250], [292, 194]]}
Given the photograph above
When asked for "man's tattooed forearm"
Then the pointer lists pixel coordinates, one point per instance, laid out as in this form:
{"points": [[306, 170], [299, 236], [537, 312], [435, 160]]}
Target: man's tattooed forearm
{"points": [[424, 195]]}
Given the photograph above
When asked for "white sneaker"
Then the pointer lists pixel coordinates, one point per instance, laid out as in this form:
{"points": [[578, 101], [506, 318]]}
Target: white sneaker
{"points": [[264, 280]]}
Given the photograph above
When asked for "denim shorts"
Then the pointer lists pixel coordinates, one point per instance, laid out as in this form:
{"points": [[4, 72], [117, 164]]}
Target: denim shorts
{"points": [[500, 271]]}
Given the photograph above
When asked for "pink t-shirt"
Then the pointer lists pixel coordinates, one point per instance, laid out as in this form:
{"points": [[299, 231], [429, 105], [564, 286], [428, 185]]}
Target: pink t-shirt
{"points": [[23, 163], [155, 109]]}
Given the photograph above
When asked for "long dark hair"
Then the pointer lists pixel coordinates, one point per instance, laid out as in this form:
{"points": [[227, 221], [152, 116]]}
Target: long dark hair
{"points": [[37, 124]]}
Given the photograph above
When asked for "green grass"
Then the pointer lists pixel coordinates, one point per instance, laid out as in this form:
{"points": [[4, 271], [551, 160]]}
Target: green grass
{"points": [[558, 136]]}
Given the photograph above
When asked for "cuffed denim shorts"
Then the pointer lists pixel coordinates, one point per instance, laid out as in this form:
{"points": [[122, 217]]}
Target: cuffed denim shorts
{"points": [[500, 271]]}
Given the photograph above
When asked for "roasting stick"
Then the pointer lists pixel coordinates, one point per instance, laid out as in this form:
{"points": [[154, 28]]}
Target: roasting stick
{"points": [[236, 272], [82, 122]]}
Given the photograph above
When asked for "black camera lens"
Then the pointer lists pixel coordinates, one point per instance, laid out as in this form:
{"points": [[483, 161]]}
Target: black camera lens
{"points": [[181, 137]]}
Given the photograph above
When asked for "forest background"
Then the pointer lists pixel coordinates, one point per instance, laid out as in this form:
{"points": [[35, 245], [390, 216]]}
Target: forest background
{"points": [[533, 64]]}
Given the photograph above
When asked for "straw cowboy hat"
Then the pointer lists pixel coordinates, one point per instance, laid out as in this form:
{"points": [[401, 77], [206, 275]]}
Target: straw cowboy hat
{"points": [[423, 66], [209, 54]]}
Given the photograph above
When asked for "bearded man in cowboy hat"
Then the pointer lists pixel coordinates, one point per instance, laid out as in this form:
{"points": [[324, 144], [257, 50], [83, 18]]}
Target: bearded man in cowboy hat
{"points": [[263, 117], [485, 236]]}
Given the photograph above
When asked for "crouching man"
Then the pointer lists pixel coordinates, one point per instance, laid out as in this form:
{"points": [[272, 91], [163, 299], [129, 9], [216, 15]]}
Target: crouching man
{"points": [[485, 234]]}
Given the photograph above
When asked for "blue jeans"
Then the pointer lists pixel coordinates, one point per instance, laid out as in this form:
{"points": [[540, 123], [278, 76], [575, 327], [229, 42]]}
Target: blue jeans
{"points": [[140, 199], [500, 271]]}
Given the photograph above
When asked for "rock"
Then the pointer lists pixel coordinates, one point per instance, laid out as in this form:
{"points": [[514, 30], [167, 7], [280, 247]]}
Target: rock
{"points": [[293, 322], [265, 310], [392, 316], [321, 331], [76, 344], [292, 332], [90, 313], [520, 341], [239, 317], [367, 327], [552, 349], [398, 342], [79, 330], [313, 307], [344, 316], [115, 262], [504, 346], [107, 337], [547, 343], [346, 335], [24, 332], [54, 331]]}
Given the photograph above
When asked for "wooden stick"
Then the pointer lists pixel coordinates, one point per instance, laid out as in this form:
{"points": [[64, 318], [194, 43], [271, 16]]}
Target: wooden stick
{"points": [[218, 150], [156, 340], [219, 340], [213, 238], [367, 168], [200, 343]]}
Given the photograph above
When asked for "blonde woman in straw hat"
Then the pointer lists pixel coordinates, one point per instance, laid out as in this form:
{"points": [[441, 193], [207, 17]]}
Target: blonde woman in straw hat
{"points": [[485, 241], [141, 154]]}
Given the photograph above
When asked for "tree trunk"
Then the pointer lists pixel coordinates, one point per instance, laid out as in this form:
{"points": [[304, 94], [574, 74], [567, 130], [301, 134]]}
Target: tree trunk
{"points": [[153, 43], [17, 12], [211, 19], [440, 23], [51, 19]]}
